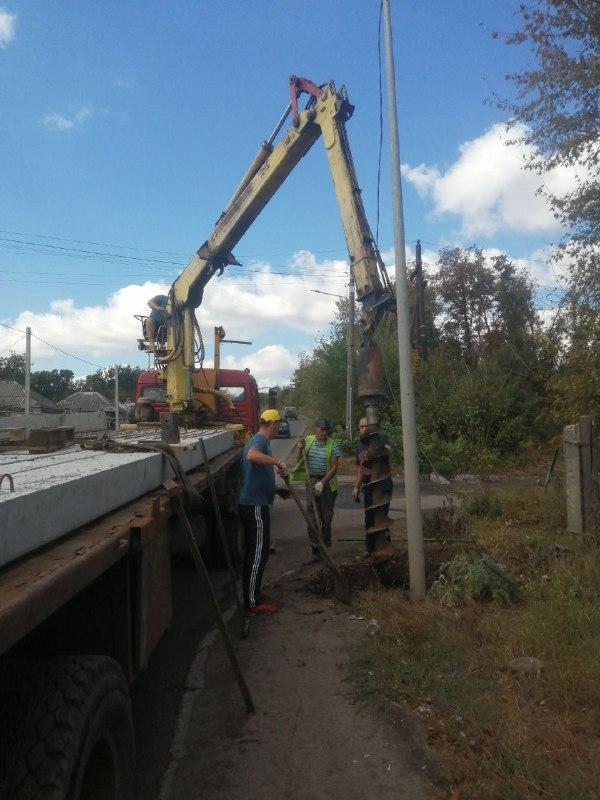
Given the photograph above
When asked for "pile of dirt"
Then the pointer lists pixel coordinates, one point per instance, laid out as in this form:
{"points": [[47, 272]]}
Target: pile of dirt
{"points": [[363, 573]]}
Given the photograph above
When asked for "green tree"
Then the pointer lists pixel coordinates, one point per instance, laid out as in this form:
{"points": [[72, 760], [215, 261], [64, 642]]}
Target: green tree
{"points": [[103, 381], [55, 384], [558, 102], [557, 109], [465, 285], [12, 367]]}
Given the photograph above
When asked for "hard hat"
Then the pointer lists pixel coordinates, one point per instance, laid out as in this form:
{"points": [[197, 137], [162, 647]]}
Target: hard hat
{"points": [[270, 415]]}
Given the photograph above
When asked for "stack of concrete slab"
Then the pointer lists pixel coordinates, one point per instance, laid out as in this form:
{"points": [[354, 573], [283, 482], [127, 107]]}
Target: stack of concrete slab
{"points": [[58, 492]]}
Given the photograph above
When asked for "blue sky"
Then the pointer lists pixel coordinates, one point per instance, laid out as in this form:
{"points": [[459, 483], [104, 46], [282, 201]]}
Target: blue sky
{"points": [[126, 126]]}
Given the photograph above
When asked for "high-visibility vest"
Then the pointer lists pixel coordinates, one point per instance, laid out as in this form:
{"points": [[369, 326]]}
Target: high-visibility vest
{"points": [[299, 473]]}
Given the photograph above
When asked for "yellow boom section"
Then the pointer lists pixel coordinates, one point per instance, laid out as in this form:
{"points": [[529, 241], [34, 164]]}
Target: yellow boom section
{"points": [[326, 117]]}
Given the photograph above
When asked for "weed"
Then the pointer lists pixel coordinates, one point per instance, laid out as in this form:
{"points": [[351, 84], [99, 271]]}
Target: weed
{"points": [[499, 734], [445, 524], [476, 577], [483, 505]]}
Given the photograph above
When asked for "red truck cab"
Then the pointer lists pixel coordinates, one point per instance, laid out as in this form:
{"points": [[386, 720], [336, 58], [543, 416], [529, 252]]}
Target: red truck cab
{"points": [[238, 384]]}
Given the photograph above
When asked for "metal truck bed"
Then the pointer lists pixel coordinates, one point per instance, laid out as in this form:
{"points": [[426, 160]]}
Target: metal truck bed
{"points": [[56, 493]]}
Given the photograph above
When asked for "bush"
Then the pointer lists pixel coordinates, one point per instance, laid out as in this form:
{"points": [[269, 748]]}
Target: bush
{"points": [[475, 577], [483, 505], [445, 524]]}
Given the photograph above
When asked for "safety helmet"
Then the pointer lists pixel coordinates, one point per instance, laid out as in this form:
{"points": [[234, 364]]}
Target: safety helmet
{"points": [[270, 415]]}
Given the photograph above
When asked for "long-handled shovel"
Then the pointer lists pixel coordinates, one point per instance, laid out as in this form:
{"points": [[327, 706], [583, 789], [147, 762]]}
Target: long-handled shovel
{"points": [[244, 621], [341, 585]]}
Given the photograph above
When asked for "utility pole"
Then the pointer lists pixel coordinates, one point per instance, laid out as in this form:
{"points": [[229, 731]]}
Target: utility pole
{"points": [[27, 370], [350, 358], [116, 397], [420, 304], [414, 522]]}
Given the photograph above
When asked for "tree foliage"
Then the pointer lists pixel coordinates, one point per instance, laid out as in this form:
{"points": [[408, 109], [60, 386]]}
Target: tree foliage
{"points": [[56, 384], [103, 381], [482, 393], [558, 102], [12, 368]]}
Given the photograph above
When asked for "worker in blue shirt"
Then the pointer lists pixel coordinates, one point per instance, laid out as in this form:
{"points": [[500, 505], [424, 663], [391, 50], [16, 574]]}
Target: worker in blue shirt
{"points": [[257, 493], [322, 456]]}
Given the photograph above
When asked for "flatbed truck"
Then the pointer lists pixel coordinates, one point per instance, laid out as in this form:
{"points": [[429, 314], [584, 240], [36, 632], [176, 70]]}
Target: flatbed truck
{"points": [[79, 618]]}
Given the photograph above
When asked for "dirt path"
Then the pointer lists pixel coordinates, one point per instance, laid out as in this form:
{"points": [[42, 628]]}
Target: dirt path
{"points": [[308, 740]]}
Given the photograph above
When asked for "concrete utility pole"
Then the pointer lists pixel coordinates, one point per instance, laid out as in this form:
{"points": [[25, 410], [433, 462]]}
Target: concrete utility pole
{"points": [[116, 397], [414, 522], [27, 370], [350, 359]]}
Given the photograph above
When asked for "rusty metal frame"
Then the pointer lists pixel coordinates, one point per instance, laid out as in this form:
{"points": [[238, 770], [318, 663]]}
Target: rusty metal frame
{"points": [[39, 584]]}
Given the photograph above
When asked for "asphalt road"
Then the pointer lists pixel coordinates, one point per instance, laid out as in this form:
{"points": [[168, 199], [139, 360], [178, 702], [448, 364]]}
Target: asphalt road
{"points": [[157, 692]]}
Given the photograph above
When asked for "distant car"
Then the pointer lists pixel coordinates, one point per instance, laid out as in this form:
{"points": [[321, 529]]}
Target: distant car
{"points": [[290, 412], [284, 430]]}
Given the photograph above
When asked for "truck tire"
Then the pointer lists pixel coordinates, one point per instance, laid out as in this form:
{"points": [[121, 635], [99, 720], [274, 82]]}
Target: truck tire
{"points": [[69, 734]]}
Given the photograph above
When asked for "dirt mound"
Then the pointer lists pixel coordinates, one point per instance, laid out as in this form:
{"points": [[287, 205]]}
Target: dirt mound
{"points": [[393, 572]]}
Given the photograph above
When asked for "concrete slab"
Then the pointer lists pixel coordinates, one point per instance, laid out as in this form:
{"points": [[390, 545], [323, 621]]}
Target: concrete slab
{"points": [[83, 421], [58, 492]]}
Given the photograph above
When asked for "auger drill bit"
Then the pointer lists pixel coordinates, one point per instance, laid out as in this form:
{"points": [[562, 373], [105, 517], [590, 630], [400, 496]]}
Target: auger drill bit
{"points": [[377, 463], [371, 389]]}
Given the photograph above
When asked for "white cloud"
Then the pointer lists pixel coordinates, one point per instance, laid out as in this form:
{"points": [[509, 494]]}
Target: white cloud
{"points": [[488, 187], [252, 304], [271, 365], [7, 27], [62, 122]]}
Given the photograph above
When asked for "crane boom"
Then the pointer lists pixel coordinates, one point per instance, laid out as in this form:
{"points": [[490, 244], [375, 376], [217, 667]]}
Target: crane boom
{"points": [[325, 116]]}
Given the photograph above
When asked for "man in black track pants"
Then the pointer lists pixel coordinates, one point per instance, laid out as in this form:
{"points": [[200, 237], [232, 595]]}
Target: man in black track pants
{"points": [[257, 493]]}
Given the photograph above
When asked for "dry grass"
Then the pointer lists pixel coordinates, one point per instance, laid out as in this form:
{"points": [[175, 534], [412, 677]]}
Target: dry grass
{"points": [[500, 734]]}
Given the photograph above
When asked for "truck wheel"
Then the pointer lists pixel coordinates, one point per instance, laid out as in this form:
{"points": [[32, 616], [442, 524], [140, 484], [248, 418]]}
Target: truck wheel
{"points": [[72, 733]]}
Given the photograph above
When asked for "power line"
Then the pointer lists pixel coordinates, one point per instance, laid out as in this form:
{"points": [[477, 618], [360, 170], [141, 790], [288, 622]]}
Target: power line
{"points": [[149, 249], [60, 350], [53, 346], [290, 269], [10, 328], [10, 347]]}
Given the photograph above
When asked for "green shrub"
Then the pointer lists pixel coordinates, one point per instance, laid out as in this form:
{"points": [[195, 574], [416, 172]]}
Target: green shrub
{"points": [[471, 577], [483, 505]]}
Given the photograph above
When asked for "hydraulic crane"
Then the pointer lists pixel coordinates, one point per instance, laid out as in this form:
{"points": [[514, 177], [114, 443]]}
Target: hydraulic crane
{"points": [[324, 116]]}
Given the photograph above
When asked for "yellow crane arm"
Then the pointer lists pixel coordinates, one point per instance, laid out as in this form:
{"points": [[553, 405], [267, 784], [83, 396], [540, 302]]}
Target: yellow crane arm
{"points": [[326, 116]]}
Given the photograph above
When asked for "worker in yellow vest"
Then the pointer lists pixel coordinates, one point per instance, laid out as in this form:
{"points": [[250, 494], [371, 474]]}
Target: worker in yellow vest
{"points": [[322, 456]]}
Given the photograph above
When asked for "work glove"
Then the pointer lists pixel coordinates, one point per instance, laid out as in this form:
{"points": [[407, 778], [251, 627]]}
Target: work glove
{"points": [[318, 489]]}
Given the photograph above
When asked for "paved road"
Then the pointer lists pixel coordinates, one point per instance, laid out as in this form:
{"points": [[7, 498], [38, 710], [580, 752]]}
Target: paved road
{"points": [[158, 692]]}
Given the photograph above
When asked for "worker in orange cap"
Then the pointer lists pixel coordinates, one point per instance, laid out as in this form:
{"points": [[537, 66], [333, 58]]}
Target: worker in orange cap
{"points": [[257, 493]]}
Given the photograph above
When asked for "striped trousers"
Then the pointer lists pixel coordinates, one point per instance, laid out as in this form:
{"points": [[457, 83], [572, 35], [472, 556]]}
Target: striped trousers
{"points": [[256, 522]]}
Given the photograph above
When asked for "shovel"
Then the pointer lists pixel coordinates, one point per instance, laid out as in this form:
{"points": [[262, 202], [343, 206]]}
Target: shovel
{"points": [[341, 585]]}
